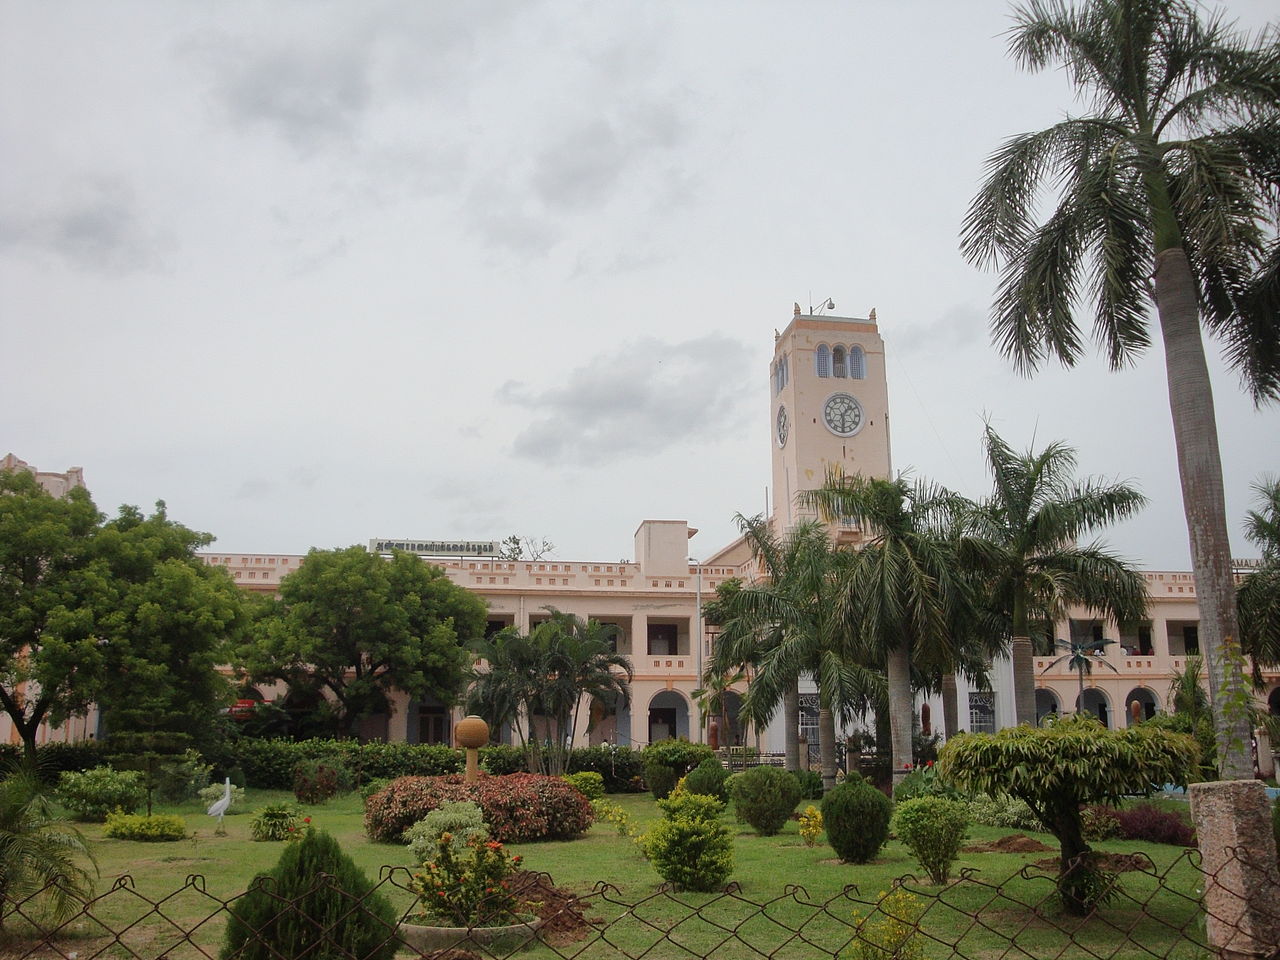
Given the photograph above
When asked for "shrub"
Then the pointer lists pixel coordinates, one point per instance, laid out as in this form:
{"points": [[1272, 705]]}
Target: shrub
{"points": [[1100, 823], [314, 903], [371, 787], [519, 808], [588, 783], [692, 854], [270, 764], [159, 828], [610, 812], [683, 805], [708, 778], [1146, 821], [216, 791], [661, 779], [463, 821], [621, 767], [1006, 812], [315, 781], [890, 932], [856, 816], [810, 782], [276, 821], [925, 782], [470, 887], [501, 759], [95, 793], [183, 777], [766, 797], [933, 828], [810, 825]]}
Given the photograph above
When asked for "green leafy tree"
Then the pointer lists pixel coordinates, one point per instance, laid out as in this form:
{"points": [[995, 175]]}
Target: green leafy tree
{"points": [[106, 612], [543, 678], [355, 626], [904, 590], [1028, 529], [1058, 769], [1166, 195]]}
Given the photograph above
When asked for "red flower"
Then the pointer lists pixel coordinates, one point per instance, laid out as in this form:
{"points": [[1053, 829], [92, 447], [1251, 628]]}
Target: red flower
{"points": [[306, 819], [906, 766], [929, 764]]}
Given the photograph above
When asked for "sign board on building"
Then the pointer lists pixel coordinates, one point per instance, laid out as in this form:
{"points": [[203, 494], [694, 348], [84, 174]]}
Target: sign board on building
{"points": [[438, 548], [1246, 563]]}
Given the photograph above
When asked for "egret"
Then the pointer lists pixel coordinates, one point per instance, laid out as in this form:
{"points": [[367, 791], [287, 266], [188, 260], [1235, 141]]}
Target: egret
{"points": [[219, 807]]}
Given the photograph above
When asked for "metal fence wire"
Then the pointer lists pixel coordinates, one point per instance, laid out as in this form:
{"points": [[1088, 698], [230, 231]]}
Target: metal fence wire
{"points": [[1147, 913]]}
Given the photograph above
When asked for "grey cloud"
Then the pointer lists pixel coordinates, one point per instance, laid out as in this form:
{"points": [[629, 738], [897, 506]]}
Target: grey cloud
{"points": [[99, 228], [500, 219], [309, 97], [960, 326], [256, 488], [647, 397]]}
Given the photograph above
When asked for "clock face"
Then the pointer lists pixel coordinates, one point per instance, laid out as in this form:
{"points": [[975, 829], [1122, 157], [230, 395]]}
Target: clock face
{"points": [[842, 415], [784, 426]]}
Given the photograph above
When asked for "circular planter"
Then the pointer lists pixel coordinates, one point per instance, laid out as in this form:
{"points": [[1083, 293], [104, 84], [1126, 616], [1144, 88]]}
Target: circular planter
{"points": [[426, 939]]}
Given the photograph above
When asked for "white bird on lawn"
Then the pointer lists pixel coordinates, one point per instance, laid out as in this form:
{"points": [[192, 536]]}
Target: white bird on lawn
{"points": [[219, 806]]}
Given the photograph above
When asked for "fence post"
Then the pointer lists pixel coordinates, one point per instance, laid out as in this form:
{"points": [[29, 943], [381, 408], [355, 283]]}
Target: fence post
{"points": [[1238, 859]]}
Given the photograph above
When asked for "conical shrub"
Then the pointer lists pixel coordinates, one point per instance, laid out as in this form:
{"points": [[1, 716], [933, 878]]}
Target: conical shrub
{"points": [[315, 903]]}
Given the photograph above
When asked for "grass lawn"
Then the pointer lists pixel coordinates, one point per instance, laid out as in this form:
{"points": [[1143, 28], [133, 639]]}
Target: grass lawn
{"points": [[987, 914]]}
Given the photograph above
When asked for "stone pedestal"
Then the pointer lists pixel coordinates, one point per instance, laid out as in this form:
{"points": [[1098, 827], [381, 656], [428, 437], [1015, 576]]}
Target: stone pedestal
{"points": [[1238, 859]]}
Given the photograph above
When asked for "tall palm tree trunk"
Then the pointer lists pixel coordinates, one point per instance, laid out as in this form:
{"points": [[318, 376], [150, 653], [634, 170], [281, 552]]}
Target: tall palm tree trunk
{"points": [[827, 747], [950, 706], [1200, 470], [898, 675], [791, 726], [1024, 680]]}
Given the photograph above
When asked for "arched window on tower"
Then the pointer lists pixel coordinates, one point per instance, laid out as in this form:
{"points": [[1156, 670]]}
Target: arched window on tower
{"points": [[837, 358], [857, 363], [786, 371], [822, 360]]}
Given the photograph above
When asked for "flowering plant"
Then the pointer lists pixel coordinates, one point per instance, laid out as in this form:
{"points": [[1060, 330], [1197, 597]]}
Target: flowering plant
{"points": [[467, 889]]}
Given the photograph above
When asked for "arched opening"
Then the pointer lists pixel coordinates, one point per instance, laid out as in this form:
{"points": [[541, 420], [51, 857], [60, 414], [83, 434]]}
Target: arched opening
{"points": [[1273, 702], [857, 363], [822, 360], [837, 362], [1148, 705], [668, 716], [1046, 703], [926, 720], [1096, 702]]}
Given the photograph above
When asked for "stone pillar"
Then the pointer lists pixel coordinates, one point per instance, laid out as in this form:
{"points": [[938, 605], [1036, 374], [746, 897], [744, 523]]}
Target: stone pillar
{"points": [[1238, 859], [1266, 758]]}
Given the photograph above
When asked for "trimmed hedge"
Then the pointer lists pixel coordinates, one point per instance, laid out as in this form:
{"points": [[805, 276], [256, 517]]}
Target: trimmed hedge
{"points": [[519, 808], [55, 759], [270, 764], [621, 767]]}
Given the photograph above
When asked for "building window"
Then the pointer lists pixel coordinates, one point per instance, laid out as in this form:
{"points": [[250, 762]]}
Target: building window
{"points": [[857, 363], [837, 357], [822, 360], [982, 712], [809, 719]]}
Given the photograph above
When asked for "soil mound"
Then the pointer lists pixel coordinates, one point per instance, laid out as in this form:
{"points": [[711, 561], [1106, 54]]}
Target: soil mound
{"points": [[1013, 843], [564, 916]]}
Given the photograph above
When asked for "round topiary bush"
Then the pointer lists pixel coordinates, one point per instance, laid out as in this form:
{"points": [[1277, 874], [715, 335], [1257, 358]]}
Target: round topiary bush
{"points": [[708, 778], [589, 783], [933, 827], [856, 816], [666, 761], [765, 797], [661, 779], [518, 808]]}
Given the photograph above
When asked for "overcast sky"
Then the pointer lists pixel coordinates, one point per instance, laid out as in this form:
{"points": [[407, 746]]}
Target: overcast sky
{"points": [[319, 272]]}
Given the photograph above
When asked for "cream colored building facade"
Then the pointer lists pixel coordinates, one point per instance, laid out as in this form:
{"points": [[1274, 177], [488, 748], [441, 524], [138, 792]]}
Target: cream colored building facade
{"points": [[829, 410]]}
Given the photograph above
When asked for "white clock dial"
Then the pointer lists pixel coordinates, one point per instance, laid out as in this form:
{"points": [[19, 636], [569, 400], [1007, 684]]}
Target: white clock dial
{"points": [[842, 415]]}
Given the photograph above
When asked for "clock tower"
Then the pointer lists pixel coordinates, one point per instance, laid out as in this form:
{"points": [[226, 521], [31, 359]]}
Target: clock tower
{"points": [[829, 404]]}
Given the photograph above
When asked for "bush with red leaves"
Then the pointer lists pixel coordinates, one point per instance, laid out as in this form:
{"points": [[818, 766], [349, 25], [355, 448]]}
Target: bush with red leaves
{"points": [[1146, 821], [518, 808]]}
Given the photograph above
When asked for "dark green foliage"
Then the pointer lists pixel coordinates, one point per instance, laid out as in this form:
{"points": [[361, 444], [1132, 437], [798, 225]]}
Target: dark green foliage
{"points": [[856, 816], [933, 828], [501, 759], [53, 759], [661, 779], [677, 753], [315, 903], [765, 797], [621, 767], [810, 784], [708, 778], [93, 794], [275, 822], [1200, 727], [269, 764]]}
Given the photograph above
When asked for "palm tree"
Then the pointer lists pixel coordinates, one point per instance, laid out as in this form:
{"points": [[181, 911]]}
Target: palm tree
{"points": [[784, 626], [1166, 193], [1259, 594], [547, 674], [1080, 656], [1028, 530], [904, 591], [39, 851]]}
